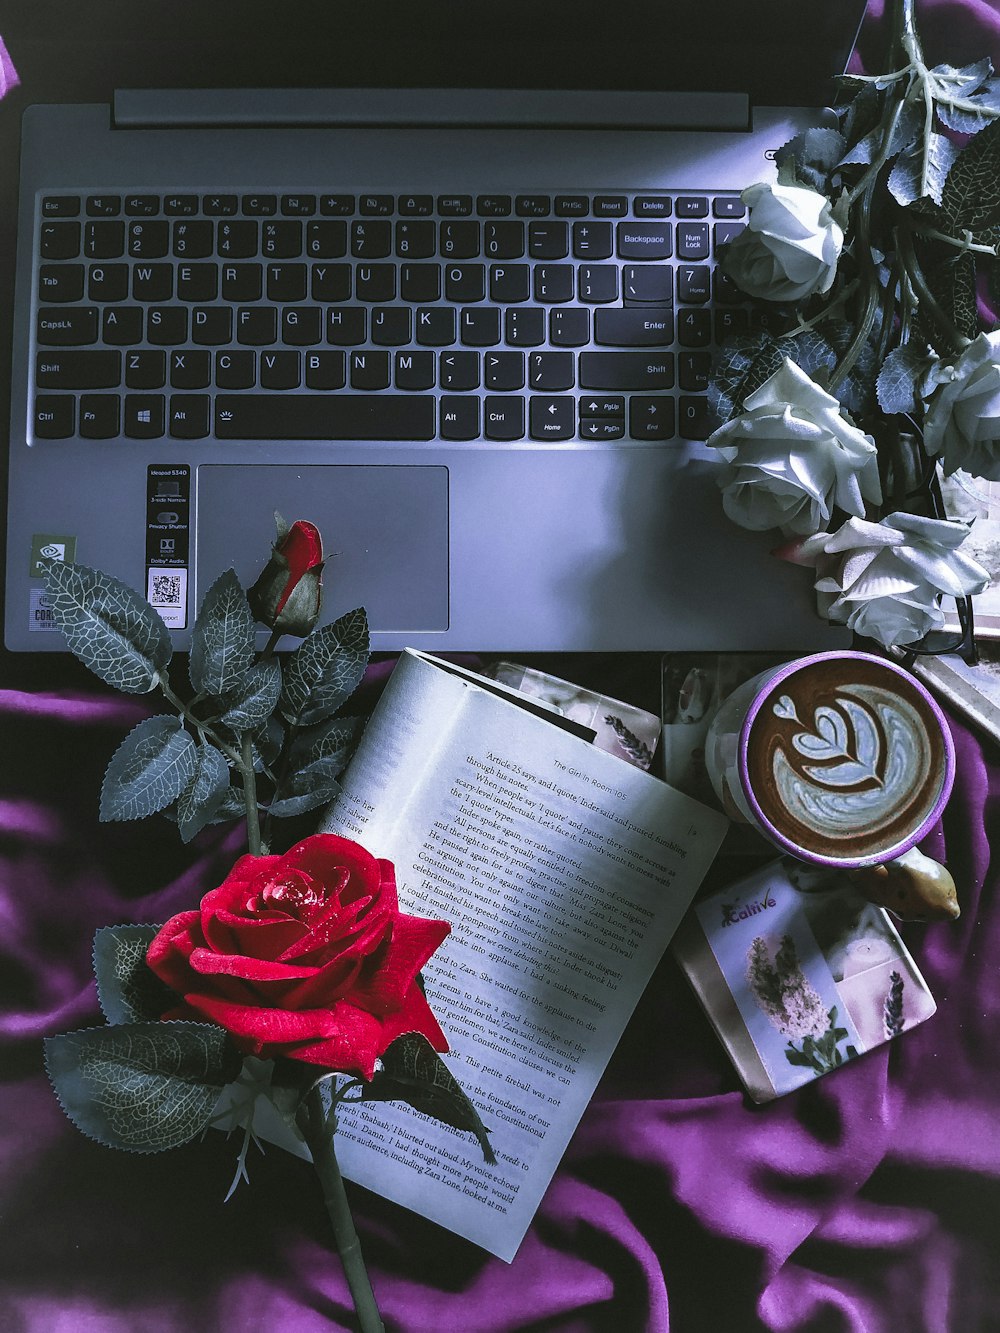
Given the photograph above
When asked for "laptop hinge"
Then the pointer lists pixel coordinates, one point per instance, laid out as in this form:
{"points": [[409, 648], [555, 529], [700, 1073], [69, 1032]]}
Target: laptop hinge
{"points": [[440, 107]]}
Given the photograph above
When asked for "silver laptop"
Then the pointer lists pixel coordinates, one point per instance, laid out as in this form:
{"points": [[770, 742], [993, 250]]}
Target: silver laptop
{"points": [[465, 330]]}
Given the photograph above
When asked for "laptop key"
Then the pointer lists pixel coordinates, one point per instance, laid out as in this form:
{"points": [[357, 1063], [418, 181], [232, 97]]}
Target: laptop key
{"points": [[593, 240], [504, 417], [348, 416], [504, 371], [650, 418], [551, 370], [647, 284], [100, 416], [67, 326], [104, 240], [78, 370], [145, 369], [459, 417], [146, 240], [626, 370], [59, 240], [552, 418], [144, 415], [368, 370], [54, 416], [190, 416], [458, 370], [60, 282], [633, 328], [644, 240]]}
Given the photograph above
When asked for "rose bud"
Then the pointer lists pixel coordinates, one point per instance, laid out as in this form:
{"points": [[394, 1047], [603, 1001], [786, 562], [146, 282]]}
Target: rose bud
{"points": [[287, 595]]}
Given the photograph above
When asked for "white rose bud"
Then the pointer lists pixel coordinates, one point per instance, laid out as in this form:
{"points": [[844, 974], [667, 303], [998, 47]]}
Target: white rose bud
{"points": [[962, 422], [791, 457], [790, 246]]}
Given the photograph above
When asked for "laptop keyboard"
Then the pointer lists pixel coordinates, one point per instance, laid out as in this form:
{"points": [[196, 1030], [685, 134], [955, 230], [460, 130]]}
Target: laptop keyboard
{"points": [[375, 317]]}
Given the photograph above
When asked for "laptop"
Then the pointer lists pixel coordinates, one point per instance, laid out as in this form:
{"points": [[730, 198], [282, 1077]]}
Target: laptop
{"points": [[446, 286]]}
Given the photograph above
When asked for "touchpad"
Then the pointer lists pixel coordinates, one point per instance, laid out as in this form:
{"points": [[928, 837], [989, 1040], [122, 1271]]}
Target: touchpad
{"points": [[385, 533]]}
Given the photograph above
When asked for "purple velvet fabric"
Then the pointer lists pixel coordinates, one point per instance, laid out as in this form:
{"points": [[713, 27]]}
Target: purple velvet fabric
{"points": [[866, 1202]]}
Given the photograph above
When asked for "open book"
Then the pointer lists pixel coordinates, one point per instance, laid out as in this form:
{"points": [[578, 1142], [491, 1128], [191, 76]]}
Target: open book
{"points": [[564, 872]]}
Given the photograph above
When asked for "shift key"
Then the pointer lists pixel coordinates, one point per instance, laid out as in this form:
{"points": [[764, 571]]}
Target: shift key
{"points": [[78, 370], [626, 370]]}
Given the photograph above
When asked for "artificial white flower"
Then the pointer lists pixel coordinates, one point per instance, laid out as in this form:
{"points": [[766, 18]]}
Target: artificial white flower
{"points": [[790, 246], [962, 422], [884, 580], [791, 456]]}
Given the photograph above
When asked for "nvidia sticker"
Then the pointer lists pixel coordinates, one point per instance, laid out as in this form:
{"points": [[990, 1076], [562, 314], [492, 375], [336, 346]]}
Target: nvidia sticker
{"points": [[50, 546]]}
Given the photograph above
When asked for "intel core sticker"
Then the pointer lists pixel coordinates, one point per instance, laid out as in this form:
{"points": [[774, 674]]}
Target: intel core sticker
{"points": [[40, 610], [168, 535]]}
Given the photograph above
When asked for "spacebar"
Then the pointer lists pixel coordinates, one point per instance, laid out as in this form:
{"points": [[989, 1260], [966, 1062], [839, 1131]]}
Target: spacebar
{"points": [[349, 416]]}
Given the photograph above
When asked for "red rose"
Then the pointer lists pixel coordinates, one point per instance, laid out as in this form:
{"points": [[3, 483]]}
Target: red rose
{"points": [[305, 955], [287, 594]]}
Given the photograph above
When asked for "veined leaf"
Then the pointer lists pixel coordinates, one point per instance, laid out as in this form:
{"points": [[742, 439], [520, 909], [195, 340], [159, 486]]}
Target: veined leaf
{"points": [[326, 668], [921, 171], [742, 366], [143, 1087], [413, 1072], [222, 644], [256, 698], [110, 628], [204, 792], [151, 767], [126, 988], [307, 788], [971, 197], [897, 380]]}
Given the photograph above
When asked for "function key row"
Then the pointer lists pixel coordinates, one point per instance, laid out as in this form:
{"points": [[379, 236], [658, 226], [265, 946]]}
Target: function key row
{"points": [[385, 205]]}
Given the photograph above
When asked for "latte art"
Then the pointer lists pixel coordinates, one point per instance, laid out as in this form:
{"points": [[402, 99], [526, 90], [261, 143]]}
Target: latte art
{"points": [[845, 763]]}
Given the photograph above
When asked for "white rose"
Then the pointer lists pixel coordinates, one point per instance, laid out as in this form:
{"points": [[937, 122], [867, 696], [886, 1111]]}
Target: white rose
{"points": [[962, 422], [791, 456], [884, 580], [790, 246]]}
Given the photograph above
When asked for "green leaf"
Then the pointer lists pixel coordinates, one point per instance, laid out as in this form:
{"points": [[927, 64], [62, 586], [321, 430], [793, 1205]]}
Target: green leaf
{"points": [[905, 127], [922, 169], [151, 767], [413, 1072], [971, 196], [952, 282], [966, 99], [256, 698], [222, 644], [898, 378], [143, 1087], [742, 366], [809, 158], [306, 789], [110, 628], [126, 988], [204, 792], [324, 671], [316, 758]]}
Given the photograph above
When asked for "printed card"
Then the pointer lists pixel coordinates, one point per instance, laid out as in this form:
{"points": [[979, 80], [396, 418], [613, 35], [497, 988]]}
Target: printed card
{"points": [[798, 974]]}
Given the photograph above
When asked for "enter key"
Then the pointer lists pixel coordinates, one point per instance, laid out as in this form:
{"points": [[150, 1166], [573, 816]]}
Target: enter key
{"points": [[633, 328]]}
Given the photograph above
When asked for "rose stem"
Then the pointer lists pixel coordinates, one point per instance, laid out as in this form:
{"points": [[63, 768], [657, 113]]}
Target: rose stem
{"points": [[319, 1138]]}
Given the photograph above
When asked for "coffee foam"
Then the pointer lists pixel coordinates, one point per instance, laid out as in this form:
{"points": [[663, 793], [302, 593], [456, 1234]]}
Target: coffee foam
{"points": [[846, 759]]}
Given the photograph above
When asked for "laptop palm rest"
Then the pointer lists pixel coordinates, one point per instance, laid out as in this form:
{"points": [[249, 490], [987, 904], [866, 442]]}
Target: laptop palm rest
{"points": [[385, 533]]}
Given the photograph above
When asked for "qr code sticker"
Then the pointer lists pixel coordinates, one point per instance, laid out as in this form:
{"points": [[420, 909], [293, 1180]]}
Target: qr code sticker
{"points": [[168, 590]]}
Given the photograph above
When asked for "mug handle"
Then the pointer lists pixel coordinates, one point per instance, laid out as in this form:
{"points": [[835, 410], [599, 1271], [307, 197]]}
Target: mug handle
{"points": [[912, 887]]}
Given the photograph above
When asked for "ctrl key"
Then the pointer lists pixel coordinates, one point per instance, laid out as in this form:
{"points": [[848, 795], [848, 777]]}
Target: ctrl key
{"points": [[54, 416]]}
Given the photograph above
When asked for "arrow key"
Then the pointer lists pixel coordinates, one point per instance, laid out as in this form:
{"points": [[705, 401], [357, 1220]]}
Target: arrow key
{"points": [[552, 418], [602, 406]]}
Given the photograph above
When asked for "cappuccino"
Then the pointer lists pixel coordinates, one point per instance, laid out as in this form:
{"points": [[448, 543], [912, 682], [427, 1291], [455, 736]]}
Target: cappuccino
{"points": [[844, 758]]}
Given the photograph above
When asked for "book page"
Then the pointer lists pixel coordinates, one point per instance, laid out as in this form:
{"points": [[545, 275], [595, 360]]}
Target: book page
{"points": [[564, 872]]}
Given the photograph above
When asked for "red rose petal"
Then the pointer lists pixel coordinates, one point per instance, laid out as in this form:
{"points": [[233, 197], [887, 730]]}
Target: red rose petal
{"points": [[209, 963], [414, 939], [268, 1026]]}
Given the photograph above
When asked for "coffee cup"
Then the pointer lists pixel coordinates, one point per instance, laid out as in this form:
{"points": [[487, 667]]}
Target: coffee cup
{"points": [[841, 759]]}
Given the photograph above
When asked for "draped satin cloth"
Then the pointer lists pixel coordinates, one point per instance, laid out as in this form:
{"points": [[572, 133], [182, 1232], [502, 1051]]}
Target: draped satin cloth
{"points": [[867, 1201]]}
